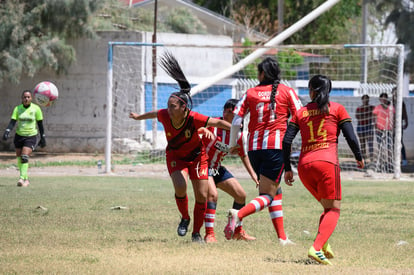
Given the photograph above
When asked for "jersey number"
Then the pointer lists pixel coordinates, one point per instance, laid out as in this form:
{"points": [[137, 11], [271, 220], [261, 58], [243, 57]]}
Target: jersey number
{"points": [[260, 108], [321, 132]]}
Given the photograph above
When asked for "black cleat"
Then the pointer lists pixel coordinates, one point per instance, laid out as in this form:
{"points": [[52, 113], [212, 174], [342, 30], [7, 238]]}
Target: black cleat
{"points": [[182, 227], [196, 238]]}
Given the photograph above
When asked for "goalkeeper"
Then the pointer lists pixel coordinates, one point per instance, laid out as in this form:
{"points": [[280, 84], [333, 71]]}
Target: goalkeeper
{"points": [[27, 115]]}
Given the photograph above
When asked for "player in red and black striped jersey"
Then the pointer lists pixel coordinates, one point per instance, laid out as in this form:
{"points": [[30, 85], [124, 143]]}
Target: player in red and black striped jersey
{"points": [[270, 104], [219, 176], [185, 153], [319, 123]]}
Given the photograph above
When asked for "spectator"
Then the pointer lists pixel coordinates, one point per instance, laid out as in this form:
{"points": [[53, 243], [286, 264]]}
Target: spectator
{"points": [[384, 125], [365, 127]]}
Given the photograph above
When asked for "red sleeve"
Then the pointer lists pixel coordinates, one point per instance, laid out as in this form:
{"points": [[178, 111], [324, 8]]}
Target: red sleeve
{"points": [[343, 115], [242, 107], [199, 120], [162, 115]]}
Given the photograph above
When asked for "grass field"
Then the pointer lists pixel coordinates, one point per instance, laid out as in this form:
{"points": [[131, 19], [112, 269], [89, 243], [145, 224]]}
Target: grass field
{"points": [[65, 225]]}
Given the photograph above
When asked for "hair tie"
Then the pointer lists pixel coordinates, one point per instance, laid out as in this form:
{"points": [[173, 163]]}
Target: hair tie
{"points": [[179, 98]]}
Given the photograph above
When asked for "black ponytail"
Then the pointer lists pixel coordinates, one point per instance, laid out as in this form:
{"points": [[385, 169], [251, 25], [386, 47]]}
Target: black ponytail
{"points": [[170, 65], [271, 70], [322, 86]]}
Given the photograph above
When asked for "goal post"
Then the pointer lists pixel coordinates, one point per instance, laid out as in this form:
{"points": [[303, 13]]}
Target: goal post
{"points": [[130, 88]]}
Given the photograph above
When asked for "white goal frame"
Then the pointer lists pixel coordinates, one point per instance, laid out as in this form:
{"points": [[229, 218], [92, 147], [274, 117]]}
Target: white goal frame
{"points": [[211, 81]]}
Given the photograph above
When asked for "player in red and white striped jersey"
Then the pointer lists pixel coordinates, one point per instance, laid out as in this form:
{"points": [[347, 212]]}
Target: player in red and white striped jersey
{"points": [[219, 176], [319, 123], [270, 104]]}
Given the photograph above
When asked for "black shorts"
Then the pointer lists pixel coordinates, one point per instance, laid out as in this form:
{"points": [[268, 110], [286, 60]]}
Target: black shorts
{"points": [[20, 141], [268, 163], [220, 174]]}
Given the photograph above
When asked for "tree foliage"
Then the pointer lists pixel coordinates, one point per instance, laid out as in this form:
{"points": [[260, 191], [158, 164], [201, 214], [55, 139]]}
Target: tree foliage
{"points": [[341, 24], [114, 15], [401, 15], [33, 35]]}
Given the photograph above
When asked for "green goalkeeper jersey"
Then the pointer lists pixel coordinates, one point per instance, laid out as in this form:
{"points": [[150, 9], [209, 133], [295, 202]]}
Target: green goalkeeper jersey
{"points": [[27, 119]]}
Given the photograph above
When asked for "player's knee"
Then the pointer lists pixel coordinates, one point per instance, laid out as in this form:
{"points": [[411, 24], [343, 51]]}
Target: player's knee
{"points": [[269, 197], [24, 158]]}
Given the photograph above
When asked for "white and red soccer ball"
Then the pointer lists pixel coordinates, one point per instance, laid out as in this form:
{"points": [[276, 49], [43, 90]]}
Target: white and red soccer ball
{"points": [[45, 93]]}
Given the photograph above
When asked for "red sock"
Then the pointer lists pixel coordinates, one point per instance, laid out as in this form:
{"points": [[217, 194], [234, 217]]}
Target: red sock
{"points": [[182, 204], [210, 217], [199, 213], [276, 214], [255, 205], [326, 227]]}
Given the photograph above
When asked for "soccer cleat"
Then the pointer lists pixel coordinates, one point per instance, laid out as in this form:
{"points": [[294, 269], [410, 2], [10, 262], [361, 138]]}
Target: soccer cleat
{"points": [[327, 250], [183, 227], [20, 182], [232, 221], [210, 238], [243, 236], [318, 256], [196, 238], [26, 183], [286, 242]]}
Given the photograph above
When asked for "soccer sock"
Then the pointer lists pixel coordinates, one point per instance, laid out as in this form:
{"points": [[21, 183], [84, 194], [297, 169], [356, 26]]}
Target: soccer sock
{"points": [[238, 206], [329, 220], [23, 170], [199, 214], [210, 217], [255, 205], [276, 214], [19, 165], [182, 204]]}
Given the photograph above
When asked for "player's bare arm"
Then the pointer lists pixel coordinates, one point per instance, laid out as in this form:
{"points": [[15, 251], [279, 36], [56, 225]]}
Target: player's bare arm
{"points": [[250, 170], [207, 133], [149, 115], [219, 123]]}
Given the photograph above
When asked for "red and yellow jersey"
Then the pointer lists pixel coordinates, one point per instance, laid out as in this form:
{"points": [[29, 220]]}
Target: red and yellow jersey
{"points": [[218, 148], [267, 127], [183, 143], [320, 131]]}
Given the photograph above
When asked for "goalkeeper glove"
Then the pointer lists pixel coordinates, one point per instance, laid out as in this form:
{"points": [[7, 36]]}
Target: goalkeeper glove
{"points": [[6, 134], [42, 142]]}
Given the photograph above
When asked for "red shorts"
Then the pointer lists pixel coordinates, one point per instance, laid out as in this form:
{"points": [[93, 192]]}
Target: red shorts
{"points": [[322, 179], [197, 169]]}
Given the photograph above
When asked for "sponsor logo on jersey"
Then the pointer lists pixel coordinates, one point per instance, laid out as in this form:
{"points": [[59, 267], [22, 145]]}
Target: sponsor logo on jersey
{"points": [[221, 146]]}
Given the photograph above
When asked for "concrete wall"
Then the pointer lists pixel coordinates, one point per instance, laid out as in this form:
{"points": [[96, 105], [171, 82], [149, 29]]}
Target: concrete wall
{"points": [[77, 121]]}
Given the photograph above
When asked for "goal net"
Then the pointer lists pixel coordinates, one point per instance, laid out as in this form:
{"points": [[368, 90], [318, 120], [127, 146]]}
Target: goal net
{"points": [[355, 70]]}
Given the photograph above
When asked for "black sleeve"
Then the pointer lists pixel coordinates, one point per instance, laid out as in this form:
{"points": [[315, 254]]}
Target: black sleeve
{"points": [[41, 129], [351, 139], [287, 145], [11, 124]]}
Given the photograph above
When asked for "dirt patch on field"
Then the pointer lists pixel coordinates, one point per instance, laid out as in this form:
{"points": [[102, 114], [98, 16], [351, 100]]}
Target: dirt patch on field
{"points": [[8, 161]]}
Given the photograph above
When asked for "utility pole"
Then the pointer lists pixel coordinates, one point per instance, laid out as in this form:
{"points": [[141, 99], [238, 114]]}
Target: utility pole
{"points": [[364, 63], [280, 15], [154, 78]]}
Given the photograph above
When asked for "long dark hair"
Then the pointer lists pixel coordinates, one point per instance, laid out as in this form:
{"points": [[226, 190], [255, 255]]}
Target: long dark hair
{"points": [[271, 70], [322, 86], [170, 65]]}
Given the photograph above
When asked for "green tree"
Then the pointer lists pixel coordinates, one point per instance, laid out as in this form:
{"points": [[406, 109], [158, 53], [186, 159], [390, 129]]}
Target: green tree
{"points": [[401, 15], [34, 34], [341, 24]]}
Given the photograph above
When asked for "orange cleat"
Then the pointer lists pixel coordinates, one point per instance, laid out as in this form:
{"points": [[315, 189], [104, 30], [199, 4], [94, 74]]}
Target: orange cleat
{"points": [[242, 235], [210, 238]]}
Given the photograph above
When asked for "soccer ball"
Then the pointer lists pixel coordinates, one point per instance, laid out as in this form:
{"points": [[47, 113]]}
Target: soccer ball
{"points": [[45, 93]]}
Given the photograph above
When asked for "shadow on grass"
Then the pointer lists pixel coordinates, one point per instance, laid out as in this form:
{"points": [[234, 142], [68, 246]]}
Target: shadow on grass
{"points": [[298, 261]]}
